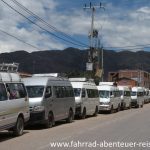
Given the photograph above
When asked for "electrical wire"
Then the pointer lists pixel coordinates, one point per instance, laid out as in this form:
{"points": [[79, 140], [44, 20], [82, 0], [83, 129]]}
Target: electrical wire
{"points": [[43, 21], [136, 46], [19, 39], [40, 26]]}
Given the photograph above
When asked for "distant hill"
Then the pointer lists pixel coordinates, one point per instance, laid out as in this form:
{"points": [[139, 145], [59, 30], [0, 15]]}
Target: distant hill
{"points": [[72, 59]]}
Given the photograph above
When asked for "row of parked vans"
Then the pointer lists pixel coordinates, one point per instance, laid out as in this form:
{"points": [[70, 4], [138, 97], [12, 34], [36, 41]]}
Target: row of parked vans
{"points": [[121, 97], [45, 99]]}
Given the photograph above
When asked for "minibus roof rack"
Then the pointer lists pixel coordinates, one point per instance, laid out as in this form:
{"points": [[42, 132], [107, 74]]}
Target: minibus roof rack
{"points": [[81, 80], [9, 67]]}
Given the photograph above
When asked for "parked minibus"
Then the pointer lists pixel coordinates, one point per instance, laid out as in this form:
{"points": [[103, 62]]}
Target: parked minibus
{"points": [[146, 95], [14, 103], [86, 97], [50, 99], [125, 94], [137, 97], [109, 98]]}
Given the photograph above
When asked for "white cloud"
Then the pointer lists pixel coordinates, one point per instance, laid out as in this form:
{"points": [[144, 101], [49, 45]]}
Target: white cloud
{"points": [[9, 21], [120, 27]]}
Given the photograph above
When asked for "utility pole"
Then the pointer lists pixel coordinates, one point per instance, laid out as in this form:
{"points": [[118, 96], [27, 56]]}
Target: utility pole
{"points": [[92, 64], [101, 59]]}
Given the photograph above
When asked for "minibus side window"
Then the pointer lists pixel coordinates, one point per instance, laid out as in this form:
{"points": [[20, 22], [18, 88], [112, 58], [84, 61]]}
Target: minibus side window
{"points": [[111, 93], [16, 90], [58, 92], [48, 92], [83, 93], [3, 93], [127, 93], [21, 90], [69, 91]]}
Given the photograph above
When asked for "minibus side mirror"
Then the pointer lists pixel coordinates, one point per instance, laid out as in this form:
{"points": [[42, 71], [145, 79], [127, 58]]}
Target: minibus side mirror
{"points": [[111, 96]]}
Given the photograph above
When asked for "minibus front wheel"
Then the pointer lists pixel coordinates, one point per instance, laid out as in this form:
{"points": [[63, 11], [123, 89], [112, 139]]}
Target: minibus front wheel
{"points": [[70, 116], [50, 122], [111, 110], [96, 111], [19, 127], [83, 115]]}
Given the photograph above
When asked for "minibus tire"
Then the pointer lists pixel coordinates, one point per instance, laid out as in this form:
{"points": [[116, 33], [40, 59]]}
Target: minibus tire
{"points": [[142, 105], [129, 106], [96, 111], [111, 110], [118, 109], [70, 117], [83, 115], [50, 122], [138, 106], [19, 127]]}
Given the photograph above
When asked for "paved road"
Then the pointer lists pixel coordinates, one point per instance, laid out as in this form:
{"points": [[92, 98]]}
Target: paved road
{"points": [[126, 126]]}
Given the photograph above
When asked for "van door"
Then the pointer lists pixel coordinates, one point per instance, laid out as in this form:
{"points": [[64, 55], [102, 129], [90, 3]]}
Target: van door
{"points": [[58, 103], [118, 99], [112, 99], [84, 100], [18, 102], [4, 107], [48, 100]]}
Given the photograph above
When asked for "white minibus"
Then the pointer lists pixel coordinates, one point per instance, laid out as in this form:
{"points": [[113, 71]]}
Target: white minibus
{"points": [[14, 103], [146, 95], [137, 97], [86, 97], [109, 98], [50, 99], [125, 94]]}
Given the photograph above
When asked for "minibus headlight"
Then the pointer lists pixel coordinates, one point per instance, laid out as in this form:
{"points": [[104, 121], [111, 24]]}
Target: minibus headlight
{"points": [[107, 103], [38, 108]]}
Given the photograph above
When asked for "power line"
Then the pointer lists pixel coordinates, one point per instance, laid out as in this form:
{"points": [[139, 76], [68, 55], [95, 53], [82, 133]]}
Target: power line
{"points": [[50, 26], [19, 39], [40, 26], [136, 47]]}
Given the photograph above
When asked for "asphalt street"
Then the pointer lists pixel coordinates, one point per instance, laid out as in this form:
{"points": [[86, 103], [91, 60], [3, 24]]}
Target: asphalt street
{"points": [[131, 127]]}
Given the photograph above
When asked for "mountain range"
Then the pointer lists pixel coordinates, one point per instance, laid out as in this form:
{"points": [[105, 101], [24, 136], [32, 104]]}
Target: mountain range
{"points": [[74, 60]]}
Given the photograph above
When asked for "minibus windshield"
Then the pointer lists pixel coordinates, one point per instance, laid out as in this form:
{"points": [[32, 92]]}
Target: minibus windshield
{"points": [[133, 93], [104, 94], [77, 92], [121, 93], [35, 91]]}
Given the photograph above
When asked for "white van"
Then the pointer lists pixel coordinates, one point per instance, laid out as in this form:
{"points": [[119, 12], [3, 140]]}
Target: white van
{"points": [[86, 97], [50, 99], [137, 97], [109, 98], [146, 95], [14, 104], [125, 93]]}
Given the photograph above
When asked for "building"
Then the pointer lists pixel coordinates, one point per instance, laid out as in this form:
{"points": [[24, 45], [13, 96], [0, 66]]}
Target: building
{"points": [[130, 77]]}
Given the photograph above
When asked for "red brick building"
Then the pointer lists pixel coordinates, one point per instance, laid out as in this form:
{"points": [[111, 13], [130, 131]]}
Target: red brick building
{"points": [[130, 77]]}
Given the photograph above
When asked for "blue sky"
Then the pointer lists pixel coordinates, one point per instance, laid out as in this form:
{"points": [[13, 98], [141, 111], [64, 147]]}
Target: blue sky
{"points": [[122, 25]]}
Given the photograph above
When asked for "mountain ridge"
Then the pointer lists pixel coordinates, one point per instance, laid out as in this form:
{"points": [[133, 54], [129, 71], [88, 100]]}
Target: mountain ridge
{"points": [[72, 59]]}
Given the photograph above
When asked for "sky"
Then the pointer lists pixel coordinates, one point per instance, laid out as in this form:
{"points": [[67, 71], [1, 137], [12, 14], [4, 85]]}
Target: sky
{"points": [[122, 25]]}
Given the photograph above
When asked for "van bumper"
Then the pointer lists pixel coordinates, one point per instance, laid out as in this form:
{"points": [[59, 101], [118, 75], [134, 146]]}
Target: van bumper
{"points": [[78, 110], [134, 103], [104, 107], [37, 117]]}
